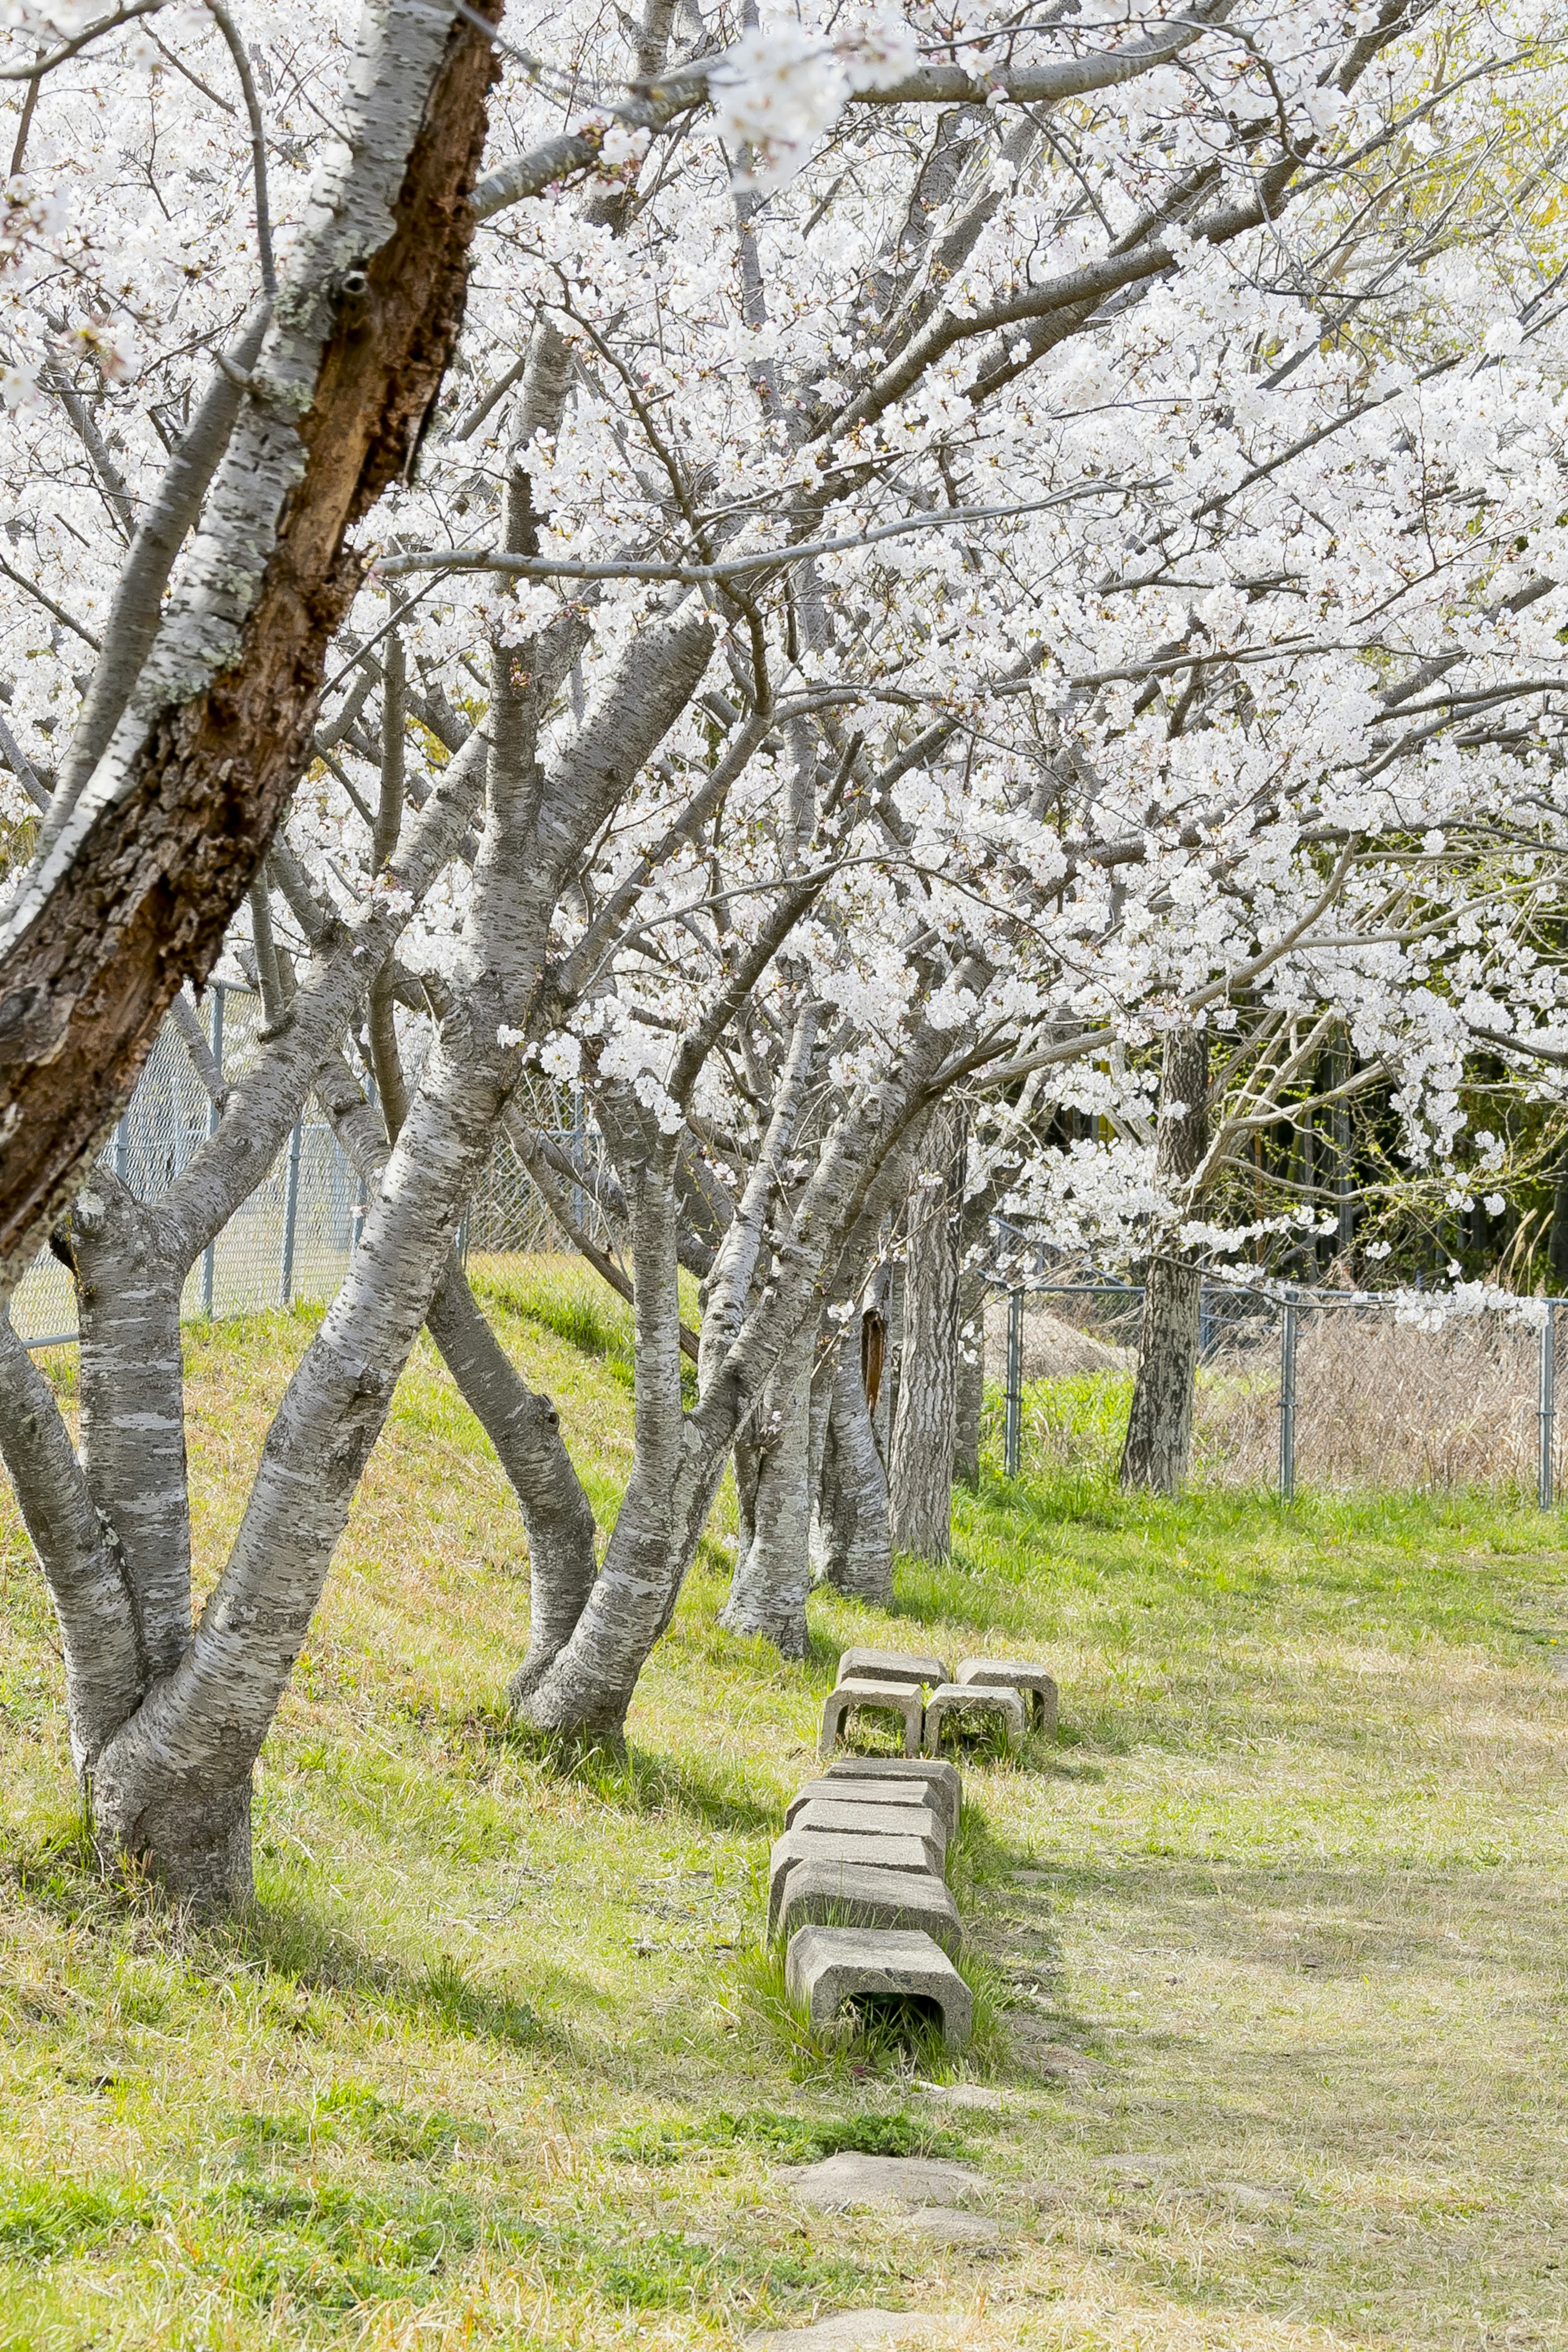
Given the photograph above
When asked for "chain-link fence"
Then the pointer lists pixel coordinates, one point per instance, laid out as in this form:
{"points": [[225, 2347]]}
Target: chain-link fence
{"points": [[294, 1236], [1320, 1389], [1324, 1389]]}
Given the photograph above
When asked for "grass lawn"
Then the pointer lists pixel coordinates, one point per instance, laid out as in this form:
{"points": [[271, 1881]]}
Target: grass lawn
{"points": [[1277, 1935]]}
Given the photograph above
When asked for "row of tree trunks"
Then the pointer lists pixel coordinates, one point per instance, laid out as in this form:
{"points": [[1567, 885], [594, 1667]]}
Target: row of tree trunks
{"points": [[863, 1508]]}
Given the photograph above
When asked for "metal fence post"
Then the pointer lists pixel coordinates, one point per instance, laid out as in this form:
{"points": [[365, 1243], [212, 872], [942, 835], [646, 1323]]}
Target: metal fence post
{"points": [[290, 1215], [1287, 1400], [214, 1116], [1546, 1406], [1015, 1379], [122, 1142]]}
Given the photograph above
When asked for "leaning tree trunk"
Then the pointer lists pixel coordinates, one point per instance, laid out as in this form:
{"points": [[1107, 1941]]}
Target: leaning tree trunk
{"points": [[172, 1785], [773, 1566], [1159, 1426], [925, 1418], [137, 891], [852, 1545]]}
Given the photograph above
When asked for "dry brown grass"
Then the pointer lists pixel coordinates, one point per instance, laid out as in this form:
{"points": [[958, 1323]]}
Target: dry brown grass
{"points": [[1380, 1405]]}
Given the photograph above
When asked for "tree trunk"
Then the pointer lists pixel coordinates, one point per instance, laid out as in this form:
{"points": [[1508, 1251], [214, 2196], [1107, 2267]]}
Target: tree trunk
{"points": [[925, 1417], [852, 1545], [678, 1459], [971, 1398], [172, 1785], [1159, 1426], [773, 1572], [525, 1431], [137, 892], [133, 1439]]}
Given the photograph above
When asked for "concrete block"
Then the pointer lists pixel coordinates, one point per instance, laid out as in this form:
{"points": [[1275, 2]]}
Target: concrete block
{"points": [[972, 1699], [848, 1790], [850, 1819], [940, 1777], [878, 1699], [798, 1846], [824, 1967], [889, 1666], [1026, 1676], [856, 1894]]}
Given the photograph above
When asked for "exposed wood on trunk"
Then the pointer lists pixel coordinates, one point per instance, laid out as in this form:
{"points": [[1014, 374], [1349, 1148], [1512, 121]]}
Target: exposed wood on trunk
{"points": [[138, 892]]}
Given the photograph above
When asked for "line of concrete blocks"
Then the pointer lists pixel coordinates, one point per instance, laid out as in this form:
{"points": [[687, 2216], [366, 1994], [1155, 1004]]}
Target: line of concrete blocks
{"points": [[923, 1695], [857, 1890], [857, 1883]]}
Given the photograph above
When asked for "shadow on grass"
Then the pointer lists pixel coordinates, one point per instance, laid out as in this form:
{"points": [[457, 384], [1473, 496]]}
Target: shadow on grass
{"points": [[294, 1954], [627, 1779]]}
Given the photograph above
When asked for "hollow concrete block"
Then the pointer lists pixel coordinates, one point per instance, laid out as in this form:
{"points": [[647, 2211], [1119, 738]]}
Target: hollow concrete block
{"points": [[1026, 1676], [799, 1847], [940, 1778], [973, 1698], [849, 1790], [903, 1700], [851, 1819], [889, 1666], [858, 1895], [825, 1967]]}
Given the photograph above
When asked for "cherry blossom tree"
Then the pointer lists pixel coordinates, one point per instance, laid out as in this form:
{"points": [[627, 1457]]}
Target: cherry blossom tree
{"points": [[951, 560]]}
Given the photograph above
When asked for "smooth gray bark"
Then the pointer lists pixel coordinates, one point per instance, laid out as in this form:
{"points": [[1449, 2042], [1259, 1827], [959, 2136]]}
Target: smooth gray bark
{"points": [[133, 1441], [852, 1544], [772, 1566], [525, 1430], [920, 1475], [173, 1785], [679, 1458], [1160, 1425], [968, 1398], [106, 1666]]}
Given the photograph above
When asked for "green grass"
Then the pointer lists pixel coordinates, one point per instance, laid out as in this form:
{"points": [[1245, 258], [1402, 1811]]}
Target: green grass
{"points": [[1269, 1946]]}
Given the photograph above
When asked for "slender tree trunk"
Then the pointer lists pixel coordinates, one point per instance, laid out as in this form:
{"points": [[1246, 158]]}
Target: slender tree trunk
{"points": [[925, 1419], [773, 1575], [678, 1459], [525, 1431], [1159, 1426], [173, 1785], [852, 1545], [971, 1397], [133, 1406]]}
